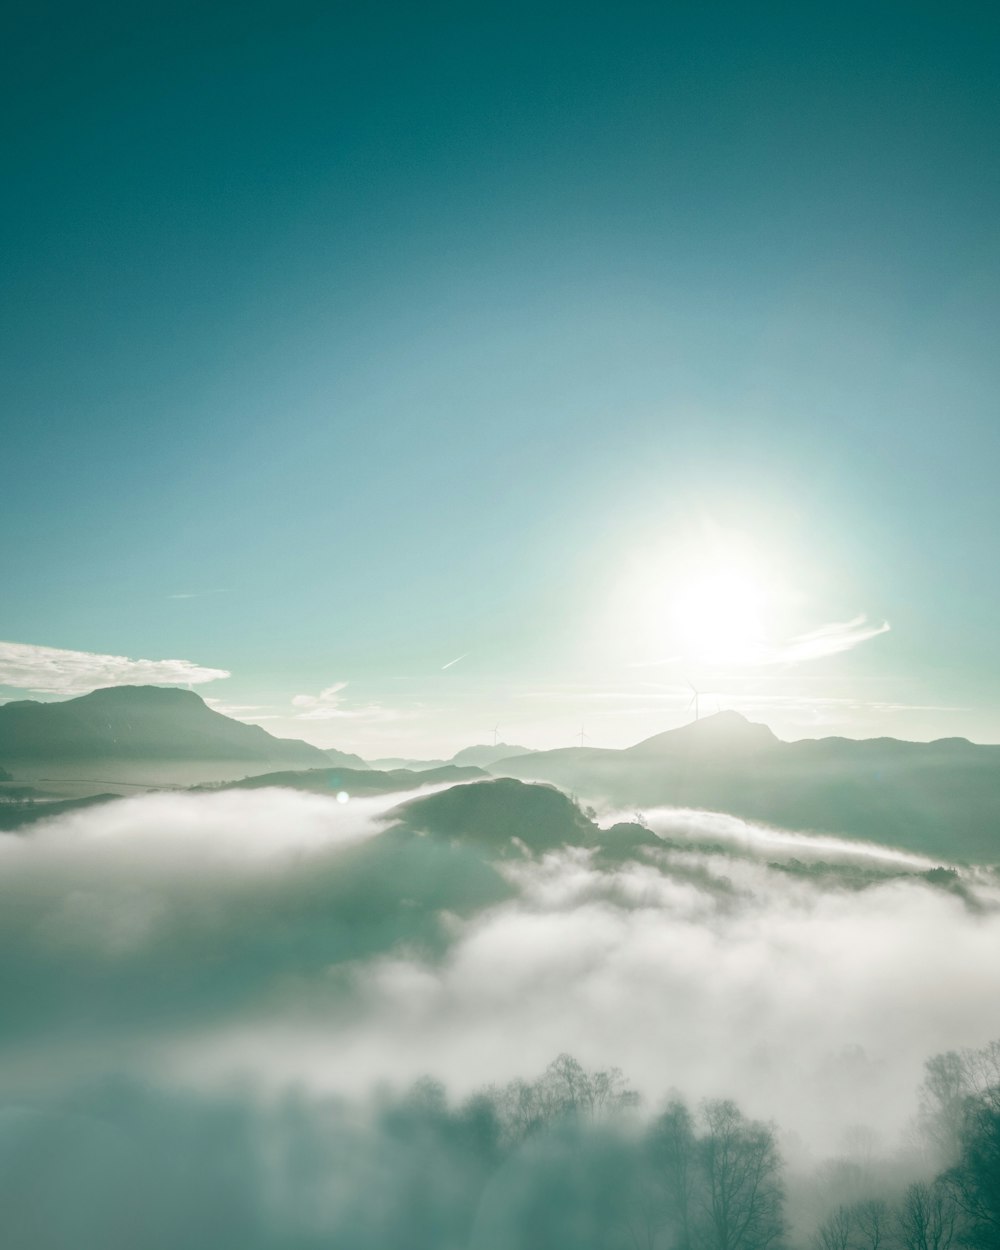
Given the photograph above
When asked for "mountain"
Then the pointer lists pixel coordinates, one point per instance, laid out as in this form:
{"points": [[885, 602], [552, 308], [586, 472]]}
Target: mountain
{"points": [[506, 818], [479, 756], [725, 734], [127, 725], [484, 756], [344, 758], [417, 766], [354, 781], [23, 805], [939, 798], [500, 816]]}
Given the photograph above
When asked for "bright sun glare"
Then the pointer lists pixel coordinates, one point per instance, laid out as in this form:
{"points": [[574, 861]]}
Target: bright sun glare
{"points": [[718, 616]]}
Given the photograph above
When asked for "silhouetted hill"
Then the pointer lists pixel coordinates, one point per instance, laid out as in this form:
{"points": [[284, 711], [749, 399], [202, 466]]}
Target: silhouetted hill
{"points": [[23, 805], [624, 841], [355, 781], [484, 756], [149, 724], [344, 758], [725, 733], [941, 798], [481, 756], [495, 815], [390, 763]]}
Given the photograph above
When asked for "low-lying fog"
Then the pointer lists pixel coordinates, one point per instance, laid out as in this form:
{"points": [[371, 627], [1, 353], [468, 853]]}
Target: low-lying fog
{"points": [[218, 1008], [281, 938]]}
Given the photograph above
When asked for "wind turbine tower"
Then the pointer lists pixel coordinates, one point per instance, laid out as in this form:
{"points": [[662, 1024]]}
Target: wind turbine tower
{"points": [[694, 702]]}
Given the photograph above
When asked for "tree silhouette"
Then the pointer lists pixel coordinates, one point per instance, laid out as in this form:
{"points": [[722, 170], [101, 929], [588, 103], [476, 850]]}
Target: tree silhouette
{"points": [[974, 1181], [928, 1217], [742, 1198]]}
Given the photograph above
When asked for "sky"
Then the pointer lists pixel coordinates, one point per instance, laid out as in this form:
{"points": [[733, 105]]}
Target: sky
{"points": [[394, 372]]}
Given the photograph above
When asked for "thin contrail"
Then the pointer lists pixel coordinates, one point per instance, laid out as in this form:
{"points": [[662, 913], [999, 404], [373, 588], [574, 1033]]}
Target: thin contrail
{"points": [[454, 661]]}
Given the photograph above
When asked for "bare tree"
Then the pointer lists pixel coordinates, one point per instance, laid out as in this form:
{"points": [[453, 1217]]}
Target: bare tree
{"points": [[835, 1231], [943, 1095], [873, 1228], [564, 1091], [672, 1148], [741, 1198], [865, 1225], [974, 1181], [928, 1217]]}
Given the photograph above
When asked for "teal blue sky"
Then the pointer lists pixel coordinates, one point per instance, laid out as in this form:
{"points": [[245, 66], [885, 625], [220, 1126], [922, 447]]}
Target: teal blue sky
{"points": [[344, 341]]}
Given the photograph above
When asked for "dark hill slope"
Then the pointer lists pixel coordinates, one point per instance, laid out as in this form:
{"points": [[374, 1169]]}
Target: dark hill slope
{"points": [[495, 815], [355, 781], [344, 758], [147, 724], [484, 756]]}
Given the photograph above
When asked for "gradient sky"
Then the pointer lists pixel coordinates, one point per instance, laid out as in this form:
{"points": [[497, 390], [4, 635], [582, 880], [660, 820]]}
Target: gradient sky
{"points": [[340, 342]]}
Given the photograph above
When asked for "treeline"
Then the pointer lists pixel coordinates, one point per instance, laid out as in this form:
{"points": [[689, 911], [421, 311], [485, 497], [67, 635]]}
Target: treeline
{"points": [[564, 1162], [955, 1205]]}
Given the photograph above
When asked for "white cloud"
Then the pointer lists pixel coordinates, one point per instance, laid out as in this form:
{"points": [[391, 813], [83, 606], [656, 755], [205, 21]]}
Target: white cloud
{"points": [[715, 973], [326, 699], [827, 640], [329, 705], [197, 594], [52, 670], [251, 713], [178, 971]]}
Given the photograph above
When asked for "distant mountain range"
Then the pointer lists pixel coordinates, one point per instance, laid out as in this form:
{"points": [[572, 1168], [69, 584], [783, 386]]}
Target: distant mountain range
{"points": [[139, 724], [942, 798], [21, 806], [479, 756], [353, 781], [344, 758], [167, 735]]}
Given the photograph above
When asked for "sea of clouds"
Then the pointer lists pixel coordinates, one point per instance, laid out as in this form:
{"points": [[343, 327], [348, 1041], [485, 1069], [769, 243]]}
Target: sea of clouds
{"points": [[242, 945]]}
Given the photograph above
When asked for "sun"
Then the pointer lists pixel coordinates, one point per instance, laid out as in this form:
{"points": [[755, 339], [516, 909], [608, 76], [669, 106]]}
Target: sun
{"points": [[718, 616], [707, 600]]}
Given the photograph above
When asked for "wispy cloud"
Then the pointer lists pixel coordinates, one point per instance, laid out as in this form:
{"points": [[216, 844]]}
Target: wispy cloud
{"points": [[196, 594], [249, 712], [52, 670], [329, 705], [323, 706], [806, 701], [453, 662], [827, 640]]}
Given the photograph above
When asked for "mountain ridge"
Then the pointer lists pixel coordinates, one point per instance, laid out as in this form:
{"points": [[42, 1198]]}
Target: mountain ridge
{"points": [[942, 797], [138, 724]]}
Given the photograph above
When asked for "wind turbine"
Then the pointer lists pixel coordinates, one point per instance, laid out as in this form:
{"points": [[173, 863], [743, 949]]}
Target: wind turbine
{"points": [[496, 731], [694, 702], [583, 735]]}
